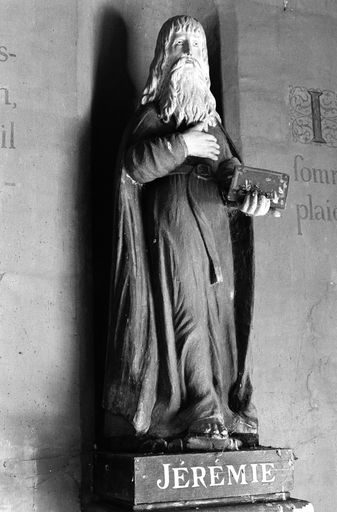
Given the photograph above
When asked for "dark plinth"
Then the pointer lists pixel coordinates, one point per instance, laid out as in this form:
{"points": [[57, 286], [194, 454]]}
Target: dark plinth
{"points": [[146, 482], [291, 505]]}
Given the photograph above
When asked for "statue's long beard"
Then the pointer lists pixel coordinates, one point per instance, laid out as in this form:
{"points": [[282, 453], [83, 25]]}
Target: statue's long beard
{"points": [[185, 95]]}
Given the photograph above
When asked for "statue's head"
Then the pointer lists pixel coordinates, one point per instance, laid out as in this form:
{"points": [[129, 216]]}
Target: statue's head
{"points": [[179, 73]]}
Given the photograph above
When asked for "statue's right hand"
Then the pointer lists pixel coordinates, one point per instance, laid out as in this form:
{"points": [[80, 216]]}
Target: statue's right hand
{"points": [[200, 143]]}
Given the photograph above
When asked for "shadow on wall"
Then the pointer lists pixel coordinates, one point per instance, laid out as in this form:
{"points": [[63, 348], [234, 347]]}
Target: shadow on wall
{"points": [[113, 104], [212, 29], [228, 69]]}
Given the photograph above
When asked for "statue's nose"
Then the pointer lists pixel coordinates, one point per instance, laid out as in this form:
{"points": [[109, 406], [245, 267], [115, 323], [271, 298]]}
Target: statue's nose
{"points": [[187, 48]]}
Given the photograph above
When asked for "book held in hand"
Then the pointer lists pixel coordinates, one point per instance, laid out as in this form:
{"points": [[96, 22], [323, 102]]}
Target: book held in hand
{"points": [[273, 185]]}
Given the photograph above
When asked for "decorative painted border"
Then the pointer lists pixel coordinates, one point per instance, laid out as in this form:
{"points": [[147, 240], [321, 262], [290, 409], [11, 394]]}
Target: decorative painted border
{"points": [[313, 115]]}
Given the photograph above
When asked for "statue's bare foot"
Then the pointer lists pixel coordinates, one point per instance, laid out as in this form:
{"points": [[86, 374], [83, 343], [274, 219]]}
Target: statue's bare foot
{"points": [[211, 426], [210, 434], [211, 444]]}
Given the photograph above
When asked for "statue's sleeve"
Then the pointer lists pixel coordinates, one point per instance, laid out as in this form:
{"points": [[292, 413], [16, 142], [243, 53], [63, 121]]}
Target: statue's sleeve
{"points": [[151, 154]]}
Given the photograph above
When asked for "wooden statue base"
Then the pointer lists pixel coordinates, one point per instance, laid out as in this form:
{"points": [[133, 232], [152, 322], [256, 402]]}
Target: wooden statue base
{"points": [[211, 480], [290, 505]]}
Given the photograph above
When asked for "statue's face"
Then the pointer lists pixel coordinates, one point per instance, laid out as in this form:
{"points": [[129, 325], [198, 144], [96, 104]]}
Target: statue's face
{"points": [[184, 44]]}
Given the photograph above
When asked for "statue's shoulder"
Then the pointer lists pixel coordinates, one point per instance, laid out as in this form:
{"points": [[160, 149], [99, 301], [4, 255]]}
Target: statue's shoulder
{"points": [[146, 117], [145, 122]]}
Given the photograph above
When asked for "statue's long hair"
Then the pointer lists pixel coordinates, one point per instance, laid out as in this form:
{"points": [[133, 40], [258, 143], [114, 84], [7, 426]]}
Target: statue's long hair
{"points": [[170, 27]]}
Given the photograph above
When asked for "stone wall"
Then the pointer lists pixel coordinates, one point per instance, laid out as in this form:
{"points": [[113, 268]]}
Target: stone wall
{"points": [[43, 108], [283, 51]]}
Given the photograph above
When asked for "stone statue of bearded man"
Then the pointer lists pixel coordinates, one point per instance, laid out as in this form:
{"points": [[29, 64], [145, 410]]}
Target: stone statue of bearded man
{"points": [[182, 276]]}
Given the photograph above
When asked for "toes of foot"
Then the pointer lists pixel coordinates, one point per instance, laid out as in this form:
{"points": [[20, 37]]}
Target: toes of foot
{"points": [[208, 429], [215, 430]]}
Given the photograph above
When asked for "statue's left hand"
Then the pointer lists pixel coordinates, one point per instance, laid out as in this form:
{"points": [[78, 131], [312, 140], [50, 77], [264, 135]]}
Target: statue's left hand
{"points": [[257, 205]]}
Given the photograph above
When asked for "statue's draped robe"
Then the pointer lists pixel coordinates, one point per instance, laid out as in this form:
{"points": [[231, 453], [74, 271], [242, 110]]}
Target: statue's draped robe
{"points": [[180, 304]]}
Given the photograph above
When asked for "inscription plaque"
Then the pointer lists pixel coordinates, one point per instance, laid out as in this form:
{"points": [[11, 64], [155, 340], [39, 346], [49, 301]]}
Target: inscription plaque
{"points": [[193, 477]]}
